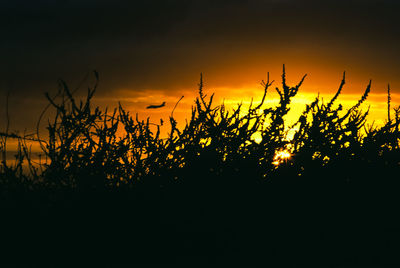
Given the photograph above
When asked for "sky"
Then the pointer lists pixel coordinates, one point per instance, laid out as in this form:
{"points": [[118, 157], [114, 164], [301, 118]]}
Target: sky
{"points": [[149, 51]]}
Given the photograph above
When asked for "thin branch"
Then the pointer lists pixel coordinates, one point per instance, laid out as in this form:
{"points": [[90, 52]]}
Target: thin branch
{"points": [[172, 113]]}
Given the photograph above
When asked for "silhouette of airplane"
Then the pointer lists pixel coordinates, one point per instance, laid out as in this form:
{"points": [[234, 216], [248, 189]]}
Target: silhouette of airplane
{"points": [[155, 106]]}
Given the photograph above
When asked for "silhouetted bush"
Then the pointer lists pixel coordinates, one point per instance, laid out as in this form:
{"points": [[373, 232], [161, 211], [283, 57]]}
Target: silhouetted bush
{"points": [[210, 191]]}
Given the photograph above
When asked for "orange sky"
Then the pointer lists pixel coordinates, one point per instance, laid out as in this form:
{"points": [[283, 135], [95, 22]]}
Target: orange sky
{"points": [[136, 101]]}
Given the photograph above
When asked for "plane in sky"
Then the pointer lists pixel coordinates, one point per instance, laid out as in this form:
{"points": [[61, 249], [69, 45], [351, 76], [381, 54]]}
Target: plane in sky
{"points": [[155, 106]]}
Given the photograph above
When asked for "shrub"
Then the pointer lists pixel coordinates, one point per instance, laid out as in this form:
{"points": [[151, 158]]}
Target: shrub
{"points": [[91, 148]]}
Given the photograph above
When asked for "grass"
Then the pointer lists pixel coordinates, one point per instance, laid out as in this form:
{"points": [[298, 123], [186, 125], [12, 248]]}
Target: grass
{"points": [[209, 191]]}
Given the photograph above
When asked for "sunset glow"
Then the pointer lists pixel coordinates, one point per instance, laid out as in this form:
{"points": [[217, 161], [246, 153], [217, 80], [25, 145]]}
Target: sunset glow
{"points": [[175, 133], [281, 156]]}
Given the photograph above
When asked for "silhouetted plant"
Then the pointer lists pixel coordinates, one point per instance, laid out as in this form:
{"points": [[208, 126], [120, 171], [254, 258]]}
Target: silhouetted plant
{"points": [[90, 148], [236, 170]]}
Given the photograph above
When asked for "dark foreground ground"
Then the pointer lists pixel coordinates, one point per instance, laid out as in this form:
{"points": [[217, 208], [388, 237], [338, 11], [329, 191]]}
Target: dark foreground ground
{"points": [[329, 219]]}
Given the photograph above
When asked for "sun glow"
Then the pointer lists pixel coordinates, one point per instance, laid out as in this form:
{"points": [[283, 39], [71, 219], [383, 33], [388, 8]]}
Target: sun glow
{"points": [[281, 156]]}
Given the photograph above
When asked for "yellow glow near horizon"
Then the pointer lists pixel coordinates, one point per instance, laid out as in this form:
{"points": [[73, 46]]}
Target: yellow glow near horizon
{"points": [[231, 97], [136, 102], [281, 156]]}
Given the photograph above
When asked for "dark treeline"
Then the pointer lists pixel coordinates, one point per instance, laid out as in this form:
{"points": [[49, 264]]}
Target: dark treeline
{"points": [[113, 190]]}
